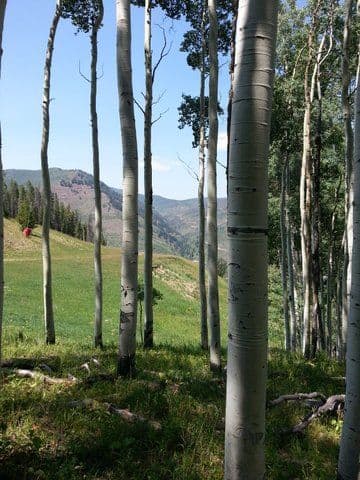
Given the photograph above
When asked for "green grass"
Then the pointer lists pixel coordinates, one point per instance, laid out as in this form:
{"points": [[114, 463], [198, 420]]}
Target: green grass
{"points": [[42, 437]]}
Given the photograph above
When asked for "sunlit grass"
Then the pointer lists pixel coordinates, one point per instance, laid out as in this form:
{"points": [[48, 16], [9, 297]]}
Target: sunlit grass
{"points": [[42, 437]]}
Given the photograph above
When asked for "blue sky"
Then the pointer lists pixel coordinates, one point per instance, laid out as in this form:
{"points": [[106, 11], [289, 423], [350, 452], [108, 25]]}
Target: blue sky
{"points": [[24, 42]]}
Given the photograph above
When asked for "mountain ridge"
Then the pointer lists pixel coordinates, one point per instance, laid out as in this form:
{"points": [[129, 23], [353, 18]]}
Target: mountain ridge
{"points": [[171, 216]]}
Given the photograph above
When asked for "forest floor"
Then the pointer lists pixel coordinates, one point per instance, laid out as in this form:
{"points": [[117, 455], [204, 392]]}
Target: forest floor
{"points": [[81, 429]]}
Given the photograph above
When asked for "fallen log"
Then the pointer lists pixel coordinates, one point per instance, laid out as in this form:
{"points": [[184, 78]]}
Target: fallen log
{"points": [[297, 396], [124, 413], [334, 403], [43, 378]]}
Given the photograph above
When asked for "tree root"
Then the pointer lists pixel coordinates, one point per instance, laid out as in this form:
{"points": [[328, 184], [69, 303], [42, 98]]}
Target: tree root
{"points": [[124, 413]]}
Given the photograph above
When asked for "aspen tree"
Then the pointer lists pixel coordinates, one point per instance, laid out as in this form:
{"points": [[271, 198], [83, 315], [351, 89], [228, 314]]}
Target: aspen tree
{"points": [[349, 466], [247, 239], [46, 254], [129, 257], [2, 17], [212, 240]]}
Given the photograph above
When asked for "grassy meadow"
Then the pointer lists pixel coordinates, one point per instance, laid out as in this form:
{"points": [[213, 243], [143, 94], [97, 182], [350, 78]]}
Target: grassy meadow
{"points": [[44, 436]]}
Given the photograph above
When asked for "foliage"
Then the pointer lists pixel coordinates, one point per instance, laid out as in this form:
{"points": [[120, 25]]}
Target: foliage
{"points": [[222, 267], [26, 215], [156, 294], [84, 14], [25, 204], [189, 116]]}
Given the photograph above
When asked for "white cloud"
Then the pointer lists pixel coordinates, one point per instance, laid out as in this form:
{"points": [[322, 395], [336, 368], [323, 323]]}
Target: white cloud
{"points": [[158, 165], [222, 141]]}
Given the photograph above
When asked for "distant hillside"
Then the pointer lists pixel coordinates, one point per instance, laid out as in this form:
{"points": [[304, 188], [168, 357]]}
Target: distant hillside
{"points": [[75, 187]]}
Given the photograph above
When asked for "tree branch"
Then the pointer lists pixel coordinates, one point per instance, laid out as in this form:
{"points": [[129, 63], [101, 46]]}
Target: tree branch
{"points": [[163, 53], [189, 169]]}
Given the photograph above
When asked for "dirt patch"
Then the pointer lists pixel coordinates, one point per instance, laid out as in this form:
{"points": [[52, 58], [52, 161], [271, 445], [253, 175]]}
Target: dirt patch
{"points": [[186, 287]]}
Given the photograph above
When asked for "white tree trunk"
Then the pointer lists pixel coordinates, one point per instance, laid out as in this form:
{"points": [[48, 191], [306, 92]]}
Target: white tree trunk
{"points": [[310, 331], [290, 264], [46, 255], [98, 341], [212, 240], [349, 149], [283, 258], [2, 16], [247, 239], [129, 262], [148, 251], [348, 468], [201, 202], [305, 221]]}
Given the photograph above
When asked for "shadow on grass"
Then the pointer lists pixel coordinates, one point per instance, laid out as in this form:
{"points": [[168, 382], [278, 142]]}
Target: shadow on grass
{"points": [[42, 437]]}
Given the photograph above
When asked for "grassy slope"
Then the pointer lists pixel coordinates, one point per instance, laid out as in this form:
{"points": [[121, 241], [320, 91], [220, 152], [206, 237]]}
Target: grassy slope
{"points": [[41, 437]]}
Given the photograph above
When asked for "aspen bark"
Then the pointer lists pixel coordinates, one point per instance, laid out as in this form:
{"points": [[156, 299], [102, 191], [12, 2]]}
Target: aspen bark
{"points": [[201, 202], [247, 240], [349, 152], [305, 214], [2, 17], [330, 275], [349, 467], [318, 334], [98, 341], [148, 250], [283, 262], [212, 240], [129, 257], [309, 328], [290, 263], [339, 290], [46, 254]]}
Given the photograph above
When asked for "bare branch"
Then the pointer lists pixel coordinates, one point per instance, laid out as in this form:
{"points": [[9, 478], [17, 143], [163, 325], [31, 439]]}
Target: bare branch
{"points": [[297, 396], [332, 404], [164, 52], [83, 76], [43, 378], [189, 169], [159, 98], [221, 164], [124, 413], [159, 116], [139, 106]]}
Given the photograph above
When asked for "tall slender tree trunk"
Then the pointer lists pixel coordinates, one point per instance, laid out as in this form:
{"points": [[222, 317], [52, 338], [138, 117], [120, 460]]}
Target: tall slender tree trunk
{"points": [[349, 467], [283, 258], [349, 152], [148, 253], [305, 213], [318, 332], [98, 341], [129, 260], [2, 17], [290, 262], [339, 290], [201, 202], [46, 254], [212, 240], [235, 4], [309, 327], [330, 275], [247, 240]]}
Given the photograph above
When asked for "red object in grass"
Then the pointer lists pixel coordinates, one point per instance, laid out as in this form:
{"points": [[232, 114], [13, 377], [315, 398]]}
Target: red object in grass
{"points": [[27, 231]]}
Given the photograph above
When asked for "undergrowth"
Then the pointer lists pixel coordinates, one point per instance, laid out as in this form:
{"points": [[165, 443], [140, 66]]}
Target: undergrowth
{"points": [[43, 436]]}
